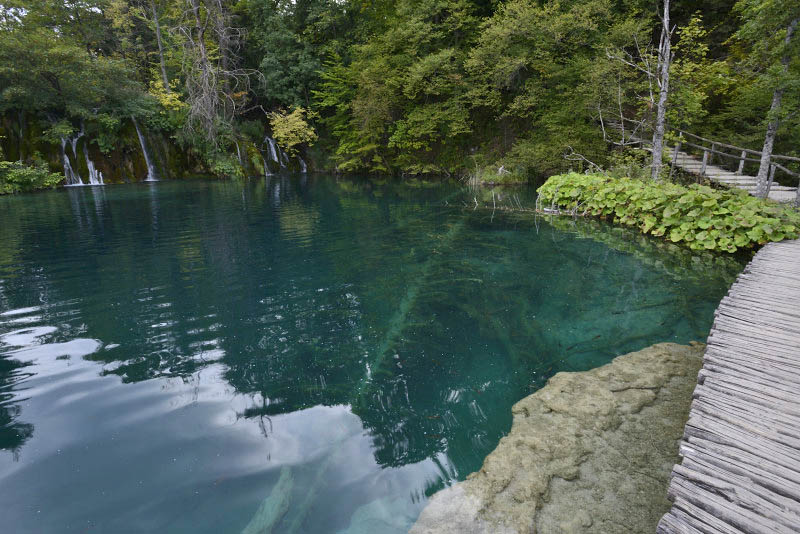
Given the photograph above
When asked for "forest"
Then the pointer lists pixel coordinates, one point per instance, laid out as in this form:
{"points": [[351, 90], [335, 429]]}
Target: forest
{"points": [[126, 90]]}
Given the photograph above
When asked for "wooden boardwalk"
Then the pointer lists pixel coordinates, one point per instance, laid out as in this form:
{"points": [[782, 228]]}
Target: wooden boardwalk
{"points": [[693, 165], [740, 468]]}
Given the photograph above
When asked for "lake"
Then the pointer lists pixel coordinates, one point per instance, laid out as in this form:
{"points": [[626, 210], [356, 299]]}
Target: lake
{"points": [[297, 354]]}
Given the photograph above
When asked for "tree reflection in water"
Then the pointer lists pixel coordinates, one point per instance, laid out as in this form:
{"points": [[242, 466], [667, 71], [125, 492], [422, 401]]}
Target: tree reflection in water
{"points": [[423, 319]]}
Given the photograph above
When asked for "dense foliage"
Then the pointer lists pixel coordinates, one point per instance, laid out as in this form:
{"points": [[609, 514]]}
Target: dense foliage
{"points": [[697, 215], [17, 177], [500, 90]]}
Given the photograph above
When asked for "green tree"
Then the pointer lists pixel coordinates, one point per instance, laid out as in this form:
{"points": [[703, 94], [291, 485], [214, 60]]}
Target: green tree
{"points": [[529, 69], [291, 129], [768, 28]]}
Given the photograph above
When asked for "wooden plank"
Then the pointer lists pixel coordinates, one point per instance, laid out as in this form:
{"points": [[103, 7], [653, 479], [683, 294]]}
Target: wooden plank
{"points": [[735, 489], [740, 470], [776, 333], [736, 342], [746, 306], [724, 510], [754, 391], [691, 519], [784, 506], [751, 466], [753, 359], [701, 431], [752, 353], [764, 421], [744, 368]]}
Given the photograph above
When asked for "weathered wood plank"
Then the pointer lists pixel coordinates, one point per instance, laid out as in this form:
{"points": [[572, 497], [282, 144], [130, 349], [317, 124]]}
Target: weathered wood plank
{"points": [[765, 422], [753, 354], [784, 505], [716, 386], [688, 515], [741, 448], [780, 462], [749, 362], [722, 509], [735, 490], [692, 165]]}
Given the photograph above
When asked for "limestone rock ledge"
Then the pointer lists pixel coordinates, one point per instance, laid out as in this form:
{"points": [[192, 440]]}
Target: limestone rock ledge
{"points": [[589, 452]]}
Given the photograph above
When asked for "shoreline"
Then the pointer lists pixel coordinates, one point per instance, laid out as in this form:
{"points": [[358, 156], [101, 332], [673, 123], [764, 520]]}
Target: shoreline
{"points": [[591, 451]]}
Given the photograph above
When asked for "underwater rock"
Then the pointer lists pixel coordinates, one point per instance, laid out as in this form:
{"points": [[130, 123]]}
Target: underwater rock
{"points": [[274, 507], [384, 516], [589, 452]]}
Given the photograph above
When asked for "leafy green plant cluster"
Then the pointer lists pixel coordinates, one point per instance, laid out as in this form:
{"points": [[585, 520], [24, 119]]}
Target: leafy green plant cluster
{"points": [[17, 177], [697, 215]]}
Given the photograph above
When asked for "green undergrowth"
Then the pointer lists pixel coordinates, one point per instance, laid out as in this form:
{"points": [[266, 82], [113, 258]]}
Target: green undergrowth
{"points": [[698, 216], [17, 177]]}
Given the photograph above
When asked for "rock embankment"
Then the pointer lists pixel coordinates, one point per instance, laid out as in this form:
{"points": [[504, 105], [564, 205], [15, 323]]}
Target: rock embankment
{"points": [[589, 452]]}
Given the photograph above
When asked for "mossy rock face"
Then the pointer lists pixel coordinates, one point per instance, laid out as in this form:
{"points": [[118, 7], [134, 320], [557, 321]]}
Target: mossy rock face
{"points": [[21, 138], [589, 452]]}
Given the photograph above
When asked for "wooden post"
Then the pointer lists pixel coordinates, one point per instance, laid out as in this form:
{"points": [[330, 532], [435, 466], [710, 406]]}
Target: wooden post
{"points": [[769, 181], [675, 155], [711, 154], [665, 55], [772, 125], [705, 163], [741, 162], [797, 197]]}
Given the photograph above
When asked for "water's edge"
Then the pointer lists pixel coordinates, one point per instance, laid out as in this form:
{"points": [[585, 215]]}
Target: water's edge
{"points": [[591, 451]]}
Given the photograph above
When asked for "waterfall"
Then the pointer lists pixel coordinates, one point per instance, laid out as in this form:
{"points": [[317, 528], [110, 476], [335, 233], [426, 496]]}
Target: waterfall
{"points": [[284, 158], [70, 174], [273, 148], [151, 170], [74, 142], [239, 153], [303, 167], [264, 161], [95, 176]]}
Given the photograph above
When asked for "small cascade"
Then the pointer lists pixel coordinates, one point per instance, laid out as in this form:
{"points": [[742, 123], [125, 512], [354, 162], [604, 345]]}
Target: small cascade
{"points": [[151, 170], [263, 162], [239, 154], [284, 158], [266, 169], [303, 168], [95, 176], [74, 142], [71, 175], [273, 149]]}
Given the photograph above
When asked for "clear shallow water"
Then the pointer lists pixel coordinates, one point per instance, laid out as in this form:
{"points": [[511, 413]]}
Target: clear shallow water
{"points": [[314, 355]]}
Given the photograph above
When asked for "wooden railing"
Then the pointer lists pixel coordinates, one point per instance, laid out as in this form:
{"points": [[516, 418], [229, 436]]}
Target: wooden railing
{"points": [[741, 157], [718, 148]]}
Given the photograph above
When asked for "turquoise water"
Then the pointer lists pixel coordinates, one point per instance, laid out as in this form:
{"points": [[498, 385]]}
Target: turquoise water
{"points": [[295, 355]]}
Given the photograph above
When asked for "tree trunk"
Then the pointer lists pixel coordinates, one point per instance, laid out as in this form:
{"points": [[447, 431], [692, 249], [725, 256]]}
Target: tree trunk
{"points": [[774, 122], [203, 97], [160, 47], [664, 60], [201, 35], [224, 46], [21, 120]]}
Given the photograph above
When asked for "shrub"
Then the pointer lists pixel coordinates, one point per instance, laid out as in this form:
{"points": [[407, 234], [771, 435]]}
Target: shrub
{"points": [[697, 215], [291, 130], [16, 177]]}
